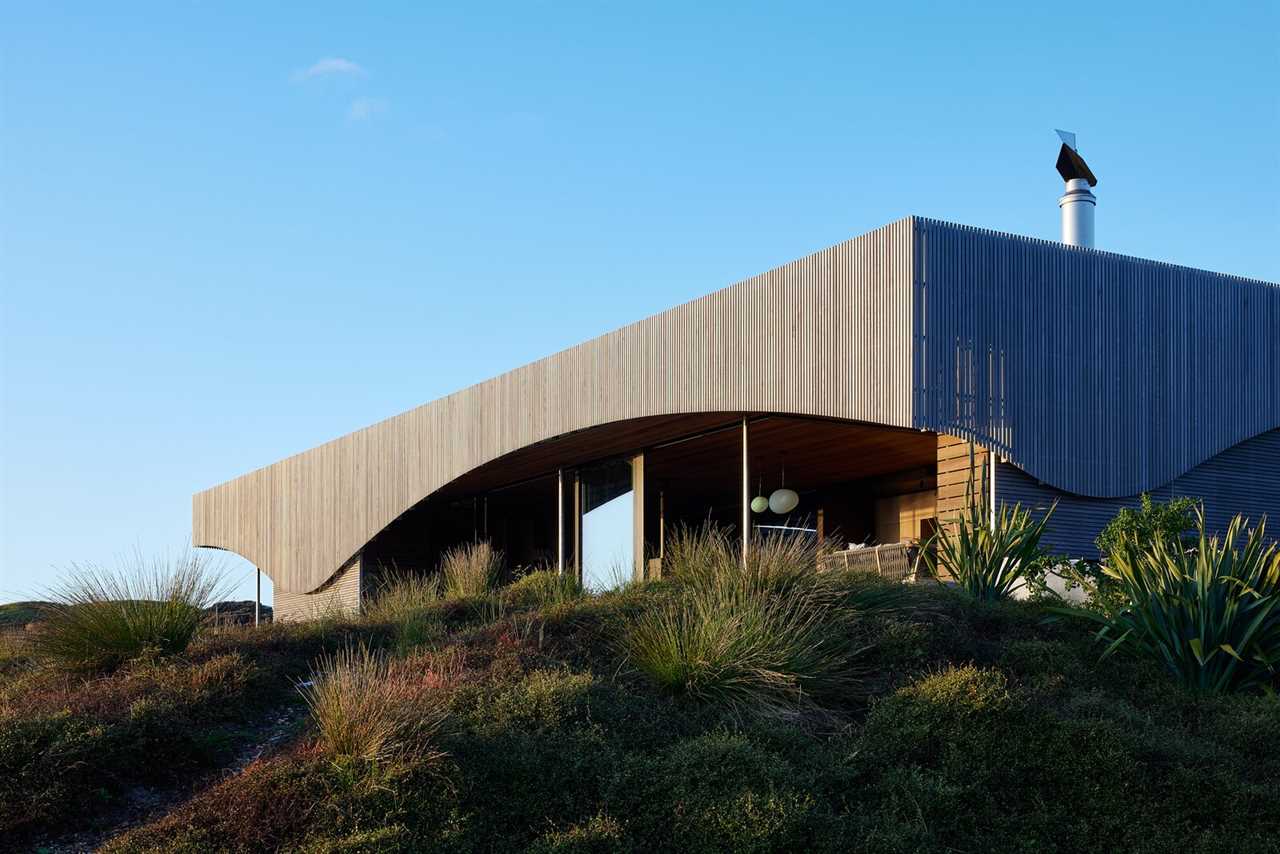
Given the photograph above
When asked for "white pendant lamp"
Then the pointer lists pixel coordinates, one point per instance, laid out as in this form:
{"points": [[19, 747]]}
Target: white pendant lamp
{"points": [[783, 500]]}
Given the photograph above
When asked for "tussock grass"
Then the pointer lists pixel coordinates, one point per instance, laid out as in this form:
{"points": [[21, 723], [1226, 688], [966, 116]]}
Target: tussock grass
{"points": [[1210, 615], [403, 597], [772, 638], [369, 707], [102, 618], [543, 588], [471, 571]]}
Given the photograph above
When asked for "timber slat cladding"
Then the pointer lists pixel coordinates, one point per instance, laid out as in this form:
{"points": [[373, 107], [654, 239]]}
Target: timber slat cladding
{"points": [[954, 469], [828, 335], [340, 596], [1099, 374]]}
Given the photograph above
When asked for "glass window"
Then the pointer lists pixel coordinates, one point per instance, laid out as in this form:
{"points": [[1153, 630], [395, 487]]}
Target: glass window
{"points": [[608, 519]]}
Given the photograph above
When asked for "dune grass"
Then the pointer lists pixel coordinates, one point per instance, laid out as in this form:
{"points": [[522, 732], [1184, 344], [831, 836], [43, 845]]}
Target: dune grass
{"points": [[770, 637], [367, 706], [402, 596], [101, 618], [471, 571], [543, 588]]}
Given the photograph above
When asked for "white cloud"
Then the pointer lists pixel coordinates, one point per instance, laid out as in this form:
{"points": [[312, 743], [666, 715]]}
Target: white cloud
{"points": [[331, 65], [366, 108]]}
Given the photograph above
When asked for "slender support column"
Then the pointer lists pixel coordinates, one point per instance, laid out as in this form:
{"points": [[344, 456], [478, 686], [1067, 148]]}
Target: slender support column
{"points": [[577, 526], [637, 515], [662, 525], [991, 466], [257, 602], [746, 494], [560, 521]]}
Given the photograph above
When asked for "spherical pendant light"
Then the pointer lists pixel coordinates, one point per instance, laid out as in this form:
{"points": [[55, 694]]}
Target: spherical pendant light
{"points": [[759, 504], [783, 501]]}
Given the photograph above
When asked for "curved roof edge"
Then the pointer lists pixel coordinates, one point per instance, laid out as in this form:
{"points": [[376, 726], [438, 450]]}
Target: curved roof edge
{"points": [[1101, 374], [846, 311]]}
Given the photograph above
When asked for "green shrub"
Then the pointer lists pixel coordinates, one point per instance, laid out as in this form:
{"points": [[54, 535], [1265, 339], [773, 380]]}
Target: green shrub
{"points": [[1209, 615], [102, 618], [1173, 522], [369, 707], [543, 588], [1150, 521], [989, 555], [471, 571]]}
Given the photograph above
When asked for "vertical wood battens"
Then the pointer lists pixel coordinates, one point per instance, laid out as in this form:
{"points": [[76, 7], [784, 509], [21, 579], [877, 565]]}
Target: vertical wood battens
{"points": [[827, 335], [1100, 374]]}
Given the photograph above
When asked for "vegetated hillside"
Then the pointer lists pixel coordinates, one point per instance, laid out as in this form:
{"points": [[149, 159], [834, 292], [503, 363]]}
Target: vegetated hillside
{"points": [[16, 615], [537, 718]]}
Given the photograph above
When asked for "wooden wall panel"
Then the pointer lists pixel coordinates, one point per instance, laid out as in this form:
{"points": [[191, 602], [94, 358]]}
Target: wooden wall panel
{"points": [[958, 477], [1243, 479], [828, 335], [340, 596], [1099, 374]]}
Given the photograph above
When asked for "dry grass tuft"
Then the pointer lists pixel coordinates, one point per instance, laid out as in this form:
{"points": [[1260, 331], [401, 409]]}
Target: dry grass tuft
{"points": [[370, 707], [102, 618], [471, 571]]}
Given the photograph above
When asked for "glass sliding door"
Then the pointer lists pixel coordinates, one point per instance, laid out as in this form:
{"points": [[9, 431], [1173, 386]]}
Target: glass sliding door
{"points": [[608, 525]]}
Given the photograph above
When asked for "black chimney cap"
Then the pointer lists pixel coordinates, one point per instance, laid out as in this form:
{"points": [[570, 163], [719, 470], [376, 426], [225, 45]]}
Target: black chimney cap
{"points": [[1071, 165]]}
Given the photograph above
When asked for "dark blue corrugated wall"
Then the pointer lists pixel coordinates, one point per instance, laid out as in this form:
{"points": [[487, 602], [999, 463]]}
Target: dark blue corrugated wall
{"points": [[1101, 374], [1242, 479]]}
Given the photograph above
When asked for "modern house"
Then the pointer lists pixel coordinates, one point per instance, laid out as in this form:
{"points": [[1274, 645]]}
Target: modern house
{"points": [[849, 386]]}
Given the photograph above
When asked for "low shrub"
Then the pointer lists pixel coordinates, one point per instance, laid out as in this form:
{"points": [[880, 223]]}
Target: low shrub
{"points": [[1174, 521], [1209, 615], [471, 571], [102, 618], [543, 588], [368, 707]]}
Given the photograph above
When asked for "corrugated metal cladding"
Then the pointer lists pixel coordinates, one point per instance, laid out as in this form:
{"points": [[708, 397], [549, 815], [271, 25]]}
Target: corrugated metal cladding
{"points": [[828, 335], [1100, 374], [1242, 479]]}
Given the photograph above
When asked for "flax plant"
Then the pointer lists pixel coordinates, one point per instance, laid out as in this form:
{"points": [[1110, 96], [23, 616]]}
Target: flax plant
{"points": [[988, 554], [1209, 614]]}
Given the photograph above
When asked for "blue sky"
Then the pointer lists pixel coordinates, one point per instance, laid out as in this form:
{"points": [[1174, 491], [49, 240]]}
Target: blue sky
{"points": [[229, 233]]}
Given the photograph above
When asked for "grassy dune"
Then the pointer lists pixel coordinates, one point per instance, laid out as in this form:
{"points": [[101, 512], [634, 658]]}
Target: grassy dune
{"points": [[763, 708]]}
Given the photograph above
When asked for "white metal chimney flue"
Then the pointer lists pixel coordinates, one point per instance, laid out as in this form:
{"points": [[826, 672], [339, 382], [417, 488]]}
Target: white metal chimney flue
{"points": [[1078, 201]]}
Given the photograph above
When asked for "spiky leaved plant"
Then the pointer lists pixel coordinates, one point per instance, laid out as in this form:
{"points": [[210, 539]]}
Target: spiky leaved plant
{"points": [[988, 554], [1210, 614], [101, 618]]}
